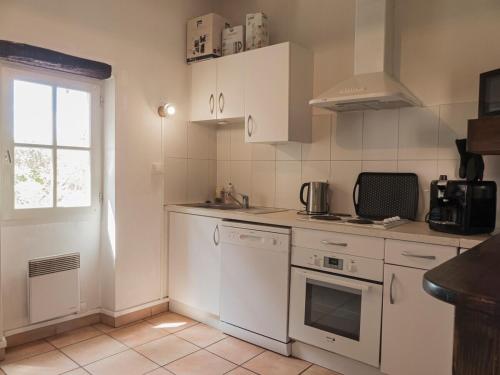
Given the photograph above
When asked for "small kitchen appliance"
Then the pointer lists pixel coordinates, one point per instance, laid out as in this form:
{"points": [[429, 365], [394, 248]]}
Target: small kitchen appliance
{"points": [[464, 206], [316, 200]]}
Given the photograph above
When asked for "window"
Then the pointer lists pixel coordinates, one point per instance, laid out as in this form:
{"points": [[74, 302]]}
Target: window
{"points": [[51, 142]]}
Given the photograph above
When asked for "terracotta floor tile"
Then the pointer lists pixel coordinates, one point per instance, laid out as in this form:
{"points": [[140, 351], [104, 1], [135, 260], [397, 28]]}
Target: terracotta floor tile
{"points": [[93, 349], [200, 363], [317, 370], [269, 363], [171, 322], [30, 349], [72, 337], [201, 335], [103, 327], [240, 371], [51, 363], [78, 371], [234, 350], [166, 349], [138, 334], [159, 371], [124, 363]]}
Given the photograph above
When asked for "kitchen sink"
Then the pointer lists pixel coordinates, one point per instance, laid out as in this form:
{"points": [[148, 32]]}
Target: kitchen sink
{"points": [[234, 207], [217, 206]]}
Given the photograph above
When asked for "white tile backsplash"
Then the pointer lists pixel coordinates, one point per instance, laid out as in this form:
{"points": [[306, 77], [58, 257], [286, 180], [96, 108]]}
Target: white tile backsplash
{"points": [[343, 175], [347, 136], [199, 181], [239, 149], [289, 151], [315, 170], [176, 138], [288, 182], [202, 141], [419, 140], [380, 135], [418, 133], [453, 125], [176, 180], [319, 148], [263, 183]]}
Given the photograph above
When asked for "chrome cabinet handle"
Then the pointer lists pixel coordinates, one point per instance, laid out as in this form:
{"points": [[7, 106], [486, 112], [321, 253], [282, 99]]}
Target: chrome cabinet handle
{"points": [[391, 296], [8, 157], [221, 102], [429, 257], [211, 104], [249, 122], [216, 236], [326, 242]]}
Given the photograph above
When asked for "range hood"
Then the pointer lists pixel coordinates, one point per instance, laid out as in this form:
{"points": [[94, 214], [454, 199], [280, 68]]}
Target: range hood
{"points": [[372, 86]]}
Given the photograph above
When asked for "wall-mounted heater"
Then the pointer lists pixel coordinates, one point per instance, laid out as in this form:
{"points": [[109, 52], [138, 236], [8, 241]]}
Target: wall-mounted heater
{"points": [[53, 287]]}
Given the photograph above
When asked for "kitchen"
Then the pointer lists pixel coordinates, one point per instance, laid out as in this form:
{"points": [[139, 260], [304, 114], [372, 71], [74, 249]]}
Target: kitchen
{"points": [[126, 265]]}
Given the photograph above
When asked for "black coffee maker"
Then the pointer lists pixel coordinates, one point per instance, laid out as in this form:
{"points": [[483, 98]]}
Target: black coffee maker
{"points": [[464, 206]]}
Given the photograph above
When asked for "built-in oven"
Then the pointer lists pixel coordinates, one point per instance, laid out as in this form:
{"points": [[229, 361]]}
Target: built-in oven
{"points": [[336, 303]]}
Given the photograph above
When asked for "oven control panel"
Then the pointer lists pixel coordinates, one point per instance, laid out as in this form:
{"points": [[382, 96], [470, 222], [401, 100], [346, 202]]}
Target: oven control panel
{"points": [[335, 263], [343, 264]]}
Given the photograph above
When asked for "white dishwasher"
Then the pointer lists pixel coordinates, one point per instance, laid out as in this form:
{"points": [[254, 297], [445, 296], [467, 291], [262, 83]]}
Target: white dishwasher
{"points": [[255, 274]]}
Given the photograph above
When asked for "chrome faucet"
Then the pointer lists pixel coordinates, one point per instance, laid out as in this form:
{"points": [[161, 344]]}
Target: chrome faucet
{"points": [[245, 200]]}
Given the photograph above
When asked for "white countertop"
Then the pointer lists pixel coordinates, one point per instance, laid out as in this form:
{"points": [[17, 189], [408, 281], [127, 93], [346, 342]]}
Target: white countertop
{"points": [[412, 231]]}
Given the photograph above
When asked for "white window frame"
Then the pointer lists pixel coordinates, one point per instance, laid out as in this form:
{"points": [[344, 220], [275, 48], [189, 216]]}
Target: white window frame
{"points": [[9, 73]]}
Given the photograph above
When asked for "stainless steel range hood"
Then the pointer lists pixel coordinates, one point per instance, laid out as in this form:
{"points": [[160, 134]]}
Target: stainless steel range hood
{"points": [[372, 86]]}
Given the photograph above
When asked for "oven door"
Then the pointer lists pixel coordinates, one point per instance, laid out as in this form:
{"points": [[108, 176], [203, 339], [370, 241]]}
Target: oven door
{"points": [[336, 313]]}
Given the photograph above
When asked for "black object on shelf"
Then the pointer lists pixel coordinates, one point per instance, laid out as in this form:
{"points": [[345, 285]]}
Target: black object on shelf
{"points": [[471, 165]]}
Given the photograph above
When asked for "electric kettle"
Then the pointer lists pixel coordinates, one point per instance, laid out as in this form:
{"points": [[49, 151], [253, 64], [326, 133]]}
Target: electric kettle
{"points": [[316, 200]]}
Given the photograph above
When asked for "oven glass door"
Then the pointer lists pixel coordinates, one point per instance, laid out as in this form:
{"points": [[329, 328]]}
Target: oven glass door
{"points": [[336, 313], [333, 308]]}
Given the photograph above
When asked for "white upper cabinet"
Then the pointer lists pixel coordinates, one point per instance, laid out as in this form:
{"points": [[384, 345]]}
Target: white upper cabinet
{"points": [[278, 87], [203, 90], [230, 103], [217, 89], [269, 88]]}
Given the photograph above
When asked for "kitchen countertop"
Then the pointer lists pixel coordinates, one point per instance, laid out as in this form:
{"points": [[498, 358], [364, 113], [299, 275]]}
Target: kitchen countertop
{"points": [[412, 231]]}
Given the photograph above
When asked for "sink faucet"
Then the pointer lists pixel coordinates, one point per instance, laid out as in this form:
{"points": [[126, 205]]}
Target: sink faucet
{"points": [[245, 200]]}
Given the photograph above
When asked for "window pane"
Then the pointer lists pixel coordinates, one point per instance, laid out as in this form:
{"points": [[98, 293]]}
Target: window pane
{"points": [[73, 178], [33, 177], [73, 118], [32, 113]]}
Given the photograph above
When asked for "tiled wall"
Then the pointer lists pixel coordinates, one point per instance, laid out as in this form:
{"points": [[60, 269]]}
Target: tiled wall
{"points": [[419, 140], [190, 165]]}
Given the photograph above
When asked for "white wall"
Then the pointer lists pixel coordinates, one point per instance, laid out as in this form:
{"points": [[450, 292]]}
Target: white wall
{"points": [[144, 41], [440, 49]]}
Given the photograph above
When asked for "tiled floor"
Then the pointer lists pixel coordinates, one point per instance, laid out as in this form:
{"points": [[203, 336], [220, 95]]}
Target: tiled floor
{"points": [[165, 344]]}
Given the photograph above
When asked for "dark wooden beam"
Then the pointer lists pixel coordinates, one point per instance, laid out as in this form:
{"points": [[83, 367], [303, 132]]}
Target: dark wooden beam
{"points": [[49, 59]]}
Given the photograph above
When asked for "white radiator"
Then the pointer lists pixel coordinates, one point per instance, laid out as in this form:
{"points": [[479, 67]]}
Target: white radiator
{"points": [[53, 287]]}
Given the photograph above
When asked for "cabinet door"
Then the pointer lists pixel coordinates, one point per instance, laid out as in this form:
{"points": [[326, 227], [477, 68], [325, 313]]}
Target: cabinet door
{"points": [[203, 90], [417, 329], [194, 261], [230, 90], [266, 73]]}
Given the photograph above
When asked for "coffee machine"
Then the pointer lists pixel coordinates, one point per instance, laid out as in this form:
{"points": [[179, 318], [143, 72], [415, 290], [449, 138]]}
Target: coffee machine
{"points": [[464, 206]]}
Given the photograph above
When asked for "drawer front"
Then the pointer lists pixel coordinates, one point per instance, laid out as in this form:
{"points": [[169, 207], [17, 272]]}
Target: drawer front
{"points": [[364, 246], [416, 254]]}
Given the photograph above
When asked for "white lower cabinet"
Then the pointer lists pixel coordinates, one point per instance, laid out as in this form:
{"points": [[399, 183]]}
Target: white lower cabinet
{"points": [[417, 329], [194, 261]]}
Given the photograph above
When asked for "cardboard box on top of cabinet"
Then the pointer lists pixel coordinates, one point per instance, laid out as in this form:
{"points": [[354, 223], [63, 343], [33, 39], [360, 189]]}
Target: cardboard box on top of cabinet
{"points": [[204, 37], [257, 34], [232, 40]]}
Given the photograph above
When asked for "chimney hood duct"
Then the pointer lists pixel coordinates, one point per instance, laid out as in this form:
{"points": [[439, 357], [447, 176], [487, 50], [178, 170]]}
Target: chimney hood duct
{"points": [[372, 86]]}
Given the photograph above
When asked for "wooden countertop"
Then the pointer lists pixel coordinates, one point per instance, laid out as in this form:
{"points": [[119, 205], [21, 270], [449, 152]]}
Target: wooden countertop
{"points": [[470, 280]]}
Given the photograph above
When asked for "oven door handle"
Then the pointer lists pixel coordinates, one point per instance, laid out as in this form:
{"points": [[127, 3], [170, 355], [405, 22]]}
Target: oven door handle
{"points": [[336, 281]]}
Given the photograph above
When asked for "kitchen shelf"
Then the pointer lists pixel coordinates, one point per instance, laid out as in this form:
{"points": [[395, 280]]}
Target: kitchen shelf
{"points": [[483, 136]]}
